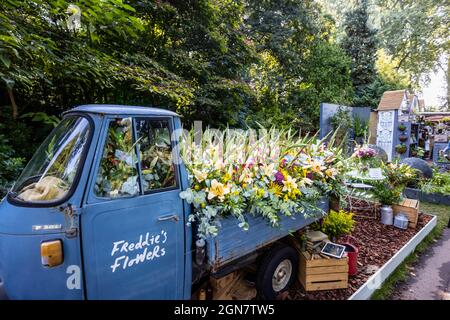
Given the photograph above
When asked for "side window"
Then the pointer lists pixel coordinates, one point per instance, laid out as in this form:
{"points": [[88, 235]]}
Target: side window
{"points": [[155, 149], [118, 175]]}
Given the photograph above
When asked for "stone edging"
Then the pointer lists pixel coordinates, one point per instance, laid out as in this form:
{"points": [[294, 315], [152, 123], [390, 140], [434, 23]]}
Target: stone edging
{"points": [[376, 280]]}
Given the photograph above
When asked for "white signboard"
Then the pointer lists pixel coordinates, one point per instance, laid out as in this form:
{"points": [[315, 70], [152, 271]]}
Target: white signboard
{"points": [[385, 131]]}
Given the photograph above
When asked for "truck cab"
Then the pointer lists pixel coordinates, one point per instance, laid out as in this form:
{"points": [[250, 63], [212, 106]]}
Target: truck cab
{"points": [[96, 213]]}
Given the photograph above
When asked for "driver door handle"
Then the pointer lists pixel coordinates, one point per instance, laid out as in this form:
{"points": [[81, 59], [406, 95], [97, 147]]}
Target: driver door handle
{"points": [[173, 217]]}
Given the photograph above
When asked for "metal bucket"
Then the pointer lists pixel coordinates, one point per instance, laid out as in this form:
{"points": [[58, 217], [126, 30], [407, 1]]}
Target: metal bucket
{"points": [[401, 221], [387, 215]]}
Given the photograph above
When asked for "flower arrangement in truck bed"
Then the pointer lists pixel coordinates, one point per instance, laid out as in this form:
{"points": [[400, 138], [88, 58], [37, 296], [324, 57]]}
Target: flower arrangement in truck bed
{"points": [[270, 175]]}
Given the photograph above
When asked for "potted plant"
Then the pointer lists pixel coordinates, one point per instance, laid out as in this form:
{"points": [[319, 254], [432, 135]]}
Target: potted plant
{"points": [[403, 137], [364, 158], [401, 127], [337, 223], [401, 148], [387, 195]]}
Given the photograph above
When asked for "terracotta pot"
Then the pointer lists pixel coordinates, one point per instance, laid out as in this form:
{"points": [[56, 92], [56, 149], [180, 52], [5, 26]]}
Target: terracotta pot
{"points": [[403, 138]]}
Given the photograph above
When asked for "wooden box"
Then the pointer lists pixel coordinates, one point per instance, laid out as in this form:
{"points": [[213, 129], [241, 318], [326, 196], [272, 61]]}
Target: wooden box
{"points": [[323, 274], [410, 207]]}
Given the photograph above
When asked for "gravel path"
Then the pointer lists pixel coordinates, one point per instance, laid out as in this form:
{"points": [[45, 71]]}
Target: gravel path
{"points": [[430, 277]]}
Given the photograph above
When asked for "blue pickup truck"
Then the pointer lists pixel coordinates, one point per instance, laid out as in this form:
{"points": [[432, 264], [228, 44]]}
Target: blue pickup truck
{"points": [[87, 220]]}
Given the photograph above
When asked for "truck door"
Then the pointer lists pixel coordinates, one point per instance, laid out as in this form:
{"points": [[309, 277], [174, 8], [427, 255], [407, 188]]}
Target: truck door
{"points": [[133, 228]]}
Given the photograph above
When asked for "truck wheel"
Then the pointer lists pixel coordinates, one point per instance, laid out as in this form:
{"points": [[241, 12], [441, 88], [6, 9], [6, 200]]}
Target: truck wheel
{"points": [[277, 271]]}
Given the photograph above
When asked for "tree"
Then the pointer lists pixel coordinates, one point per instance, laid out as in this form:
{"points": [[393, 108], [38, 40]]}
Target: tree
{"points": [[299, 65], [415, 33], [361, 45]]}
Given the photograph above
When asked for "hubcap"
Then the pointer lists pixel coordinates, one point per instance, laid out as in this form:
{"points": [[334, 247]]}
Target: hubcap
{"points": [[282, 275]]}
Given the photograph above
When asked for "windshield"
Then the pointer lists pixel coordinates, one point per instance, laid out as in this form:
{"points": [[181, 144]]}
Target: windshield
{"points": [[51, 172]]}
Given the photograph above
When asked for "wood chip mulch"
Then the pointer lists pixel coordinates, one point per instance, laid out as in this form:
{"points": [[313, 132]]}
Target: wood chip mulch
{"points": [[377, 243]]}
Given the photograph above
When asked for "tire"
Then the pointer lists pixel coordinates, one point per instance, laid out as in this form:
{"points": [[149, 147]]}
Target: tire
{"points": [[282, 258]]}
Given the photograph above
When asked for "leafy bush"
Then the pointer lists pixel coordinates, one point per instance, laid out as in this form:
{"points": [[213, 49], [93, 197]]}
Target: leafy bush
{"points": [[399, 175], [342, 122], [337, 223], [10, 166], [440, 183]]}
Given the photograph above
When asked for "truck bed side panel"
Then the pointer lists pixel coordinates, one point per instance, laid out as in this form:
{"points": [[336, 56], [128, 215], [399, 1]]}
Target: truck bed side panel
{"points": [[232, 242]]}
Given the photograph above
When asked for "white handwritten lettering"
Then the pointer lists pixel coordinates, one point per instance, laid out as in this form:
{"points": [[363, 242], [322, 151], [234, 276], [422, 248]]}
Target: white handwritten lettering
{"points": [[150, 247]]}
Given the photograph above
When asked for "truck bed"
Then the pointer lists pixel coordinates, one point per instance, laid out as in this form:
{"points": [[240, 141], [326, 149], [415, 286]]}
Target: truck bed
{"points": [[233, 243]]}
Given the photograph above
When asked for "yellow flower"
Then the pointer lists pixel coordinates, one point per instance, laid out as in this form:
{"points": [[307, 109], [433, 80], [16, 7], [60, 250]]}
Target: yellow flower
{"points": [[260, 192], [226, 177], [218, 190], [331, 172], [275, 188], [200, 176], [289, 184]]}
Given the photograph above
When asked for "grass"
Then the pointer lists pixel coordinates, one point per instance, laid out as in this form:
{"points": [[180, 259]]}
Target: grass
{"points": [[402, 273]]}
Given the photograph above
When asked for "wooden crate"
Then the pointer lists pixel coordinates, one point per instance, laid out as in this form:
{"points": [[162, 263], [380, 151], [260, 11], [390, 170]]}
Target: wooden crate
{"points": [[323, 274], [410, 207], [232, 287]]}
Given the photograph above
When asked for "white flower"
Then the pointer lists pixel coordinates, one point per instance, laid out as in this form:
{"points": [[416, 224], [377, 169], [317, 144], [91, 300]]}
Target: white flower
{"points": [[210, 212], [187, 195], [199, 175], [199, 198], [306, 181], [268, 170]]}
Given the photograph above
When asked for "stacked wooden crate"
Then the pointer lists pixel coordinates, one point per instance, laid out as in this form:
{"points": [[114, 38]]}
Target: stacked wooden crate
{"points": [[410, 208], [322, 273]]}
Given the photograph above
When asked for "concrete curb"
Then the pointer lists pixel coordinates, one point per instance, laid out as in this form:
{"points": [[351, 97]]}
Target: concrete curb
{"points": [[377, 279]]}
